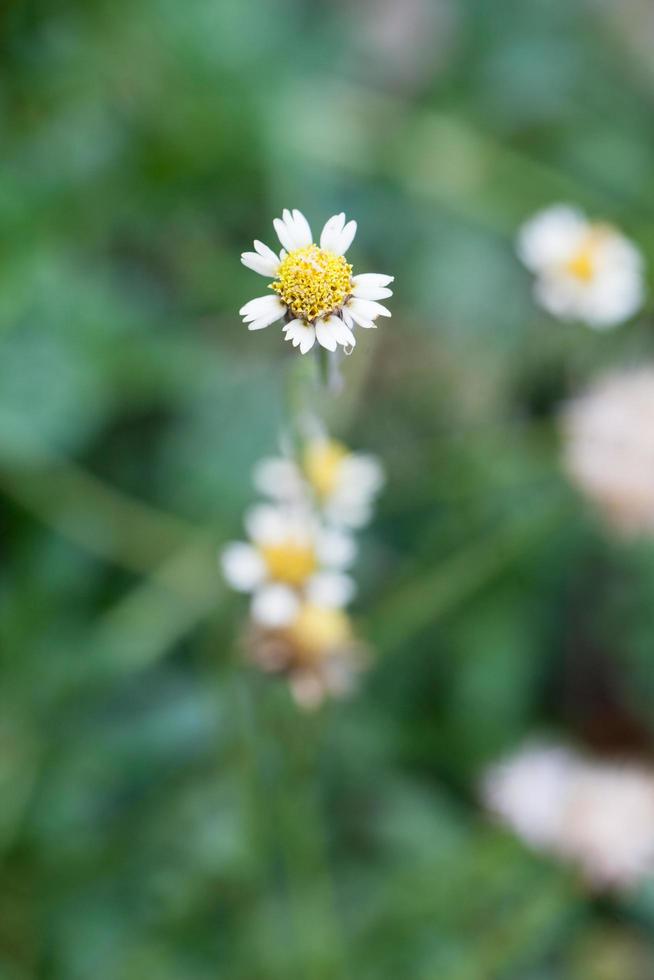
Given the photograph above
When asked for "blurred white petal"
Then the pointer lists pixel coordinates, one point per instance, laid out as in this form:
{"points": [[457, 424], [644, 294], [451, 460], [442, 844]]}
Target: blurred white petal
{"points": [[336, 549], [266, 523], [330, 589], [278, 478], [274, 606], [242, 566]]}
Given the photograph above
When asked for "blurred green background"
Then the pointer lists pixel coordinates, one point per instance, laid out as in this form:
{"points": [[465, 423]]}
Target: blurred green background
{"points": [[164, 812]]}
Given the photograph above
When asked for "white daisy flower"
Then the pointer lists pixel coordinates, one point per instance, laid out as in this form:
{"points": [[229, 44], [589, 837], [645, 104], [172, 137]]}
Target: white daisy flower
{"points": [[609, 447], [313, 289], [316, 649], [344, 483], [584, 270], [288, 555]]}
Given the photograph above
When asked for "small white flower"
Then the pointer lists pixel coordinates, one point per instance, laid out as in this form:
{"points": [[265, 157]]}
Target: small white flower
{"points": [[288, 555], [598, 815], [583, 270], [314, 291], [609, 447], [344, 483]]}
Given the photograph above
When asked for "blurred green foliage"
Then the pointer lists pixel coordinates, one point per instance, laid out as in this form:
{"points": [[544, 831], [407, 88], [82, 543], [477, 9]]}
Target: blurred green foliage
{"points": [[164, 813]]}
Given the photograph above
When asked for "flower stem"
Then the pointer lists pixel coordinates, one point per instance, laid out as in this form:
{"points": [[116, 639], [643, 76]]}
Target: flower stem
{"points": [[300, 381], [335, 376], [324, 366]]}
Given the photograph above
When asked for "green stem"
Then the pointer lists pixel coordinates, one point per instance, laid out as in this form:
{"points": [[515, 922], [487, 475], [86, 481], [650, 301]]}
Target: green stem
{"points": [[301, 383], [294, 799], [304, 840], [323, 362]]}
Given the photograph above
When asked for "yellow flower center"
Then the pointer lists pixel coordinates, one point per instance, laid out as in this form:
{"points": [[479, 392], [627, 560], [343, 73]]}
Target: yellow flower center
{"points": [[322, 464], [312, 282], [317, 630], [582, 264], [289, 562]]}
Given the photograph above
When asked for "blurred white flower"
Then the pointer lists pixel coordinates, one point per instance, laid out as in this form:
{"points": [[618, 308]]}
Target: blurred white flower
{"points": [[289, 555], [583, 270], [313, 289], [295, 559], [598, 815], [609, 447], [343, 483], [316, 650]]}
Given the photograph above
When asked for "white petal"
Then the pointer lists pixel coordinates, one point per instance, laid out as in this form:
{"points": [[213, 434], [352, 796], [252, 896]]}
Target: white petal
{"points": [[372, 279], [325, 335], [301, 335], [264, 251], [278, 478], [371, 292], [332, 231], [342, 332], [345, 239], [274, 606], [550, 235], [265, 321], [255, 262], [365, 471], [368, 308], [353, 314], [242, 566], [263, 260], [347, 318], [293, 230], [308, 340], [266, 524], [331, 589], [260, 306], [302, 229], [350, 504], [298, 228], [335, 549], [263, 311], [557, 295], [614, 298], [285, 234], [350, 513]]}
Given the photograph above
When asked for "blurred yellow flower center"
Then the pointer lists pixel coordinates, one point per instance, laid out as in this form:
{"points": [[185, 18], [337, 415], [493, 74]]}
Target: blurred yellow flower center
{"points": [[582, 264], [317, 630], [313, 282], [289, 562], [322, 465]]}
